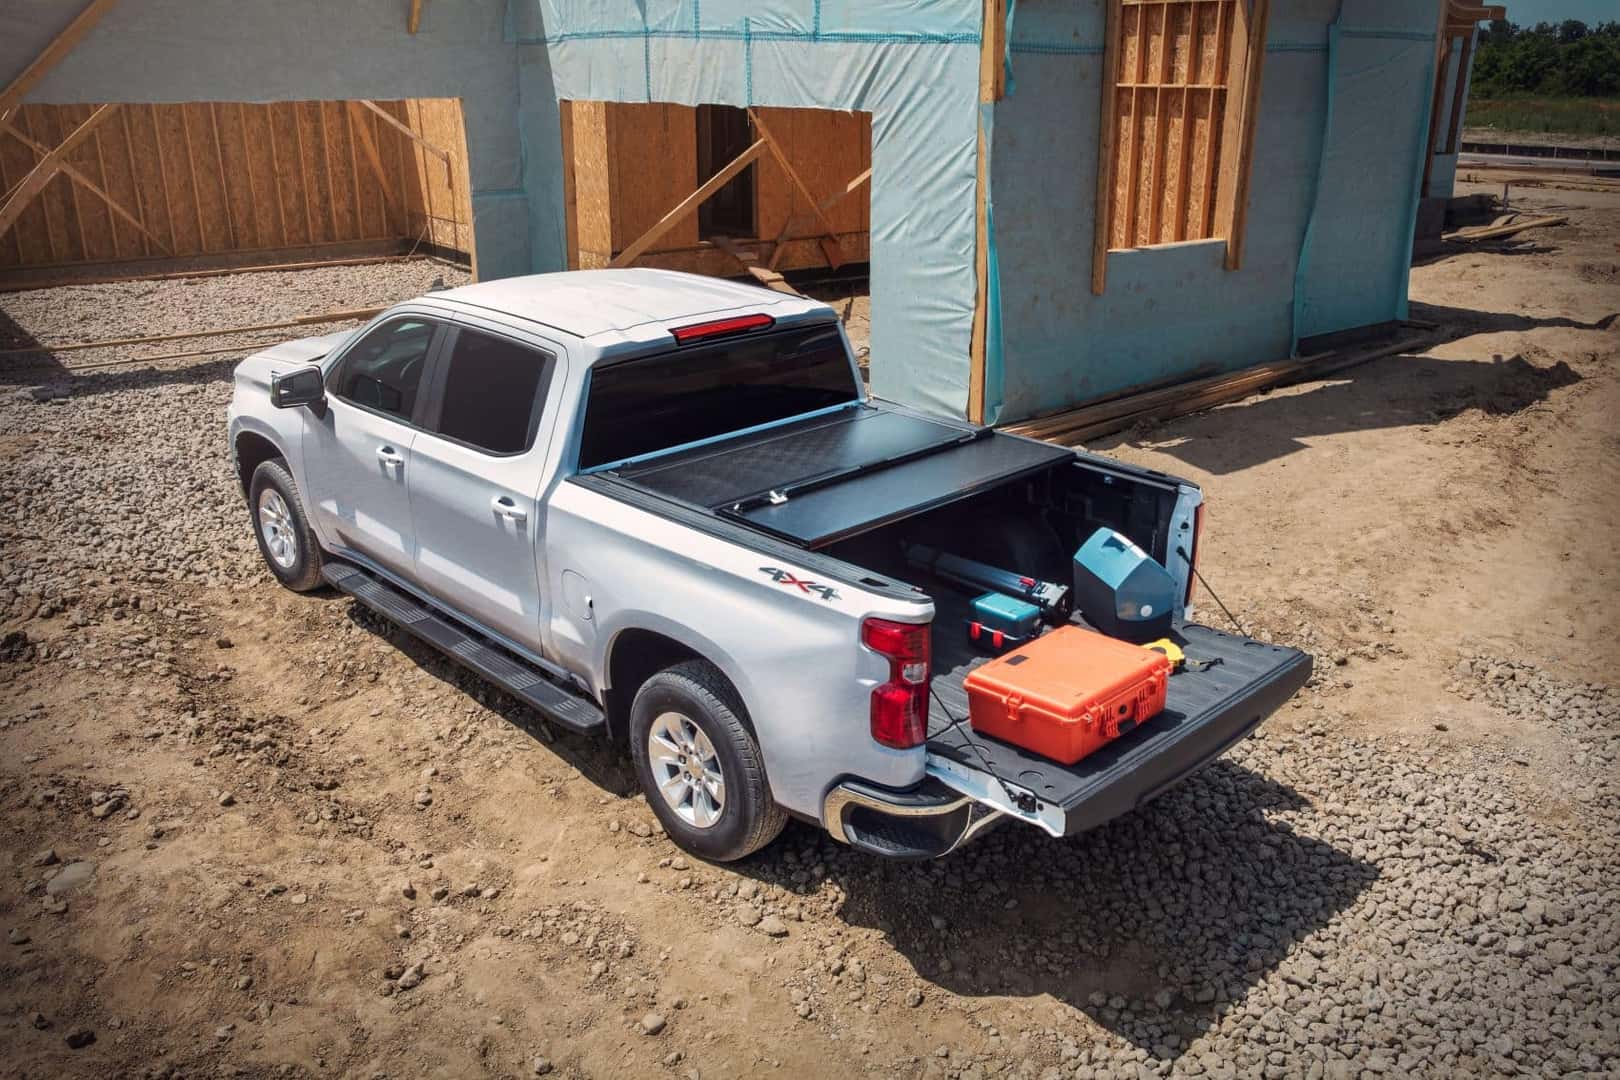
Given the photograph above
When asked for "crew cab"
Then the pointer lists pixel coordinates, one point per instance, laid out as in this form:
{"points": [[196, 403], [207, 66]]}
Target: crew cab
{"points": [[663, 509]]}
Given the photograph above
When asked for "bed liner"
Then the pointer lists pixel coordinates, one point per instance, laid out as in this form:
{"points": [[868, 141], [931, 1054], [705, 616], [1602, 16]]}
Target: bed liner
{"points": [[1205, 714]]}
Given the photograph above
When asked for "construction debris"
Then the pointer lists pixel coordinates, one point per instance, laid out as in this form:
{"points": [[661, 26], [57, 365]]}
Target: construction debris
{"points": [[1115, 414]]}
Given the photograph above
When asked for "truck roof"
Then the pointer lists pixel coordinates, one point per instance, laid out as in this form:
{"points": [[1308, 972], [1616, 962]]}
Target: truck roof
{"points": [[590, 302]]}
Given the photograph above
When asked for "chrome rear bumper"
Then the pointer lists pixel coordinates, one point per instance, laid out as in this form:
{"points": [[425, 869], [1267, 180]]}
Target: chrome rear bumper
{"points": [[924, 822]]}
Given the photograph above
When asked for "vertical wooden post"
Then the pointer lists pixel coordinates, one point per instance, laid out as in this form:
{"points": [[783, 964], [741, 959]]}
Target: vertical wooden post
{"points": [[992, 87], [570, 193], [1102, 226], [1249, 121]]}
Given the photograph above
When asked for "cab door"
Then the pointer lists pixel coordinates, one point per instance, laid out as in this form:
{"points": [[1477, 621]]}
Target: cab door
{"points": [[358, 454], [477, 475]]}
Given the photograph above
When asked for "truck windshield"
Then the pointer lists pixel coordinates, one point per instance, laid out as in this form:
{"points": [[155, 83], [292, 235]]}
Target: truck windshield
{"points": [[642, 406]]}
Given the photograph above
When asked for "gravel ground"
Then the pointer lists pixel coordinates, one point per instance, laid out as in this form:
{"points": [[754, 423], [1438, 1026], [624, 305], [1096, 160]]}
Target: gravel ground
{"points": [[1319, 903]]}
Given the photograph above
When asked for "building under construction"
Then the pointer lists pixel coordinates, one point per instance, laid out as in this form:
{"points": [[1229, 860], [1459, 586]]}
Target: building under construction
{"points": [[1093, 196]]}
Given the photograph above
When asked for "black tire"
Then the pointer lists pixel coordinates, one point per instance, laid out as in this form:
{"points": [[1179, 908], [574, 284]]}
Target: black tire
{"points": [[302, 571], [749, 818]]}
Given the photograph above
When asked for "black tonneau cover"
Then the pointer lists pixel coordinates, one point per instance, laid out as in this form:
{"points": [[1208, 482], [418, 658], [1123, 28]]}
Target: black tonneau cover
{"points": [[825, 479], [1206, 713]]}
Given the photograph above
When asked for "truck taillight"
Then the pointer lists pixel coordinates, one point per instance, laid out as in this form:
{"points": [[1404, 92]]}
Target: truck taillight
{"points": [[1197, 538], [900, 706]]}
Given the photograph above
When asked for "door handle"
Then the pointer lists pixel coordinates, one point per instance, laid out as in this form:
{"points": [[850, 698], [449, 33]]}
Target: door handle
{"points": [[389, 457], [506, 508]]}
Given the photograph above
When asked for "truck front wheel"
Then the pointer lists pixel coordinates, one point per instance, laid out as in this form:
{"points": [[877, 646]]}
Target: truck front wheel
{"points": [[285, 539], [699, 765]]}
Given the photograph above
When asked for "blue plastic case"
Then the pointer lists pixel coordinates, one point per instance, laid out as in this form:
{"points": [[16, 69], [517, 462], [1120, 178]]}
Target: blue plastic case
{"points": [[1002, 622]]}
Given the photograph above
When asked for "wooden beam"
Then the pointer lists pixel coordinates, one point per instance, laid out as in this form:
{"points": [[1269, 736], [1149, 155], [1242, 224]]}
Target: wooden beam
{"points": [[993, 52], [565, 118], [1463, 62], [690, 203], [835, 254], [362, 134], [413, 21], [1442, 57], [51, 55], [779, 244], [45, 170], [1102, 226], [112, 343], [1243, 161], [442, 155]]}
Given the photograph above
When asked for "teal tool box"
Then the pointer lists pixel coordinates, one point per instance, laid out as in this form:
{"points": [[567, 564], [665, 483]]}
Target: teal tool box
{"points": [[1121, 590], [1002, 622]]}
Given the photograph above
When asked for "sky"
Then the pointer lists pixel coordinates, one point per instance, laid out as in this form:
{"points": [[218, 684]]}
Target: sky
{"points": [[1530, 12]]}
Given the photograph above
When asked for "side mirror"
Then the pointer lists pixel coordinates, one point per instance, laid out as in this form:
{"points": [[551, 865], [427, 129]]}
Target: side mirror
{"points": [[303, 386]]}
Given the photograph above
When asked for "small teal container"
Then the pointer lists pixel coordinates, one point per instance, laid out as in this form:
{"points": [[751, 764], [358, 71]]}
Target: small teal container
{"points": [[1121, 590], [1002, 622]]}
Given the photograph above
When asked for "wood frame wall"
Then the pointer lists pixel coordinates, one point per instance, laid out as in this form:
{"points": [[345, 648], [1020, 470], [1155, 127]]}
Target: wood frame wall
{"points": [[631, 188], [1180, 101], [211, 178]]}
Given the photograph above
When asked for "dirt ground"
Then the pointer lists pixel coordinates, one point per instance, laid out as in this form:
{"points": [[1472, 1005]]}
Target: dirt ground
{"points": [[248, 833]]}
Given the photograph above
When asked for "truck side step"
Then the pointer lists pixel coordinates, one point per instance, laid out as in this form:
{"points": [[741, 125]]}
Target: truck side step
{"points": [[560, 705]]}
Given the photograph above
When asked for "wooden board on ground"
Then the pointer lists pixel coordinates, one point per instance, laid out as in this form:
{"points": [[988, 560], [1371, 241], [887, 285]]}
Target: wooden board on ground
{"points": [[1102, 418]]}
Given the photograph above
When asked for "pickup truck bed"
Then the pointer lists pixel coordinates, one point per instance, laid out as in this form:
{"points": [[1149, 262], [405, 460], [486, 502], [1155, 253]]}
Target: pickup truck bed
{"points": [[821, 480], [1206, 712]]}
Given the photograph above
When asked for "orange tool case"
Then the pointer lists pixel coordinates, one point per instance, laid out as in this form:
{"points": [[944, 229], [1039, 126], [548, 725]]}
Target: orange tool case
{"points": [[1068, 693]]}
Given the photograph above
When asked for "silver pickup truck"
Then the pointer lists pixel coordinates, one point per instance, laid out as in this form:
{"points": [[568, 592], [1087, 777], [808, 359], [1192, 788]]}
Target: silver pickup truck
{"points": [[663, 509]]}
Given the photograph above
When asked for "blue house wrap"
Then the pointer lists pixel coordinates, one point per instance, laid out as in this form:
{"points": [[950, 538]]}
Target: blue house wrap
{"points": [[1338, 156]]}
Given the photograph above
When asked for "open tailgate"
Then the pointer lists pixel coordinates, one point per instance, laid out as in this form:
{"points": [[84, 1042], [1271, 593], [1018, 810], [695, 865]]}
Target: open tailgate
{"points": [[1205, 714]]}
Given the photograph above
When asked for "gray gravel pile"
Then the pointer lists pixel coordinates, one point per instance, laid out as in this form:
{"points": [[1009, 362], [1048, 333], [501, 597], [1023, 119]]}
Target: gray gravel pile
{"points": [[1313, 905], [124, 475]]}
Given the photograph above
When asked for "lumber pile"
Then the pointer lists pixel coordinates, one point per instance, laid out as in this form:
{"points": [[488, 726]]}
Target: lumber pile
{"points": [[1163, 403], [1498, 232]]}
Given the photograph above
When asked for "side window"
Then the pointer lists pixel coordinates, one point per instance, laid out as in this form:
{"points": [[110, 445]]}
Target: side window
{"points": [[383, 370], [493, 393]]}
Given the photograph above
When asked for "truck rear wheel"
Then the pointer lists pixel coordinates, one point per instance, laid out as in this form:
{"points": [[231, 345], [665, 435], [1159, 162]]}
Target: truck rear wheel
{"points": [[285, 539], [699, 765]]}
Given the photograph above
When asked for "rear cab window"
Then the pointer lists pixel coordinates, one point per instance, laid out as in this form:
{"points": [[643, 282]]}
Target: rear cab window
{"points": [[713, 388]]}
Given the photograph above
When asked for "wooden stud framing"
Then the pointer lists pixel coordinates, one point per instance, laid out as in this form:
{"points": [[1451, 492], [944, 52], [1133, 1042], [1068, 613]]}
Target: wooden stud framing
{"points": [[779, 245], [368, 147], [48, 166], [51, 55], [166, 180], [1457, 91], [253, 187], [690, 203], [406, 130], [992, 88], [570, 184], [163, 175], [224, 184], [1103, 224], [1176, 73], [275, 173], [1246, 121], [835, 255], [413, 21]]}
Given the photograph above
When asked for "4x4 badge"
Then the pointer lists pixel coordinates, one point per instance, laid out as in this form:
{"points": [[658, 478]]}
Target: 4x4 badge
{"points": [[783, 577]]}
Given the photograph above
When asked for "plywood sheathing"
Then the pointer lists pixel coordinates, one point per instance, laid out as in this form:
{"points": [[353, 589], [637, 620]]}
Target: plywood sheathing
{"points": [[652, 160], [209, 178], [827, 149], [629, 164]]}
